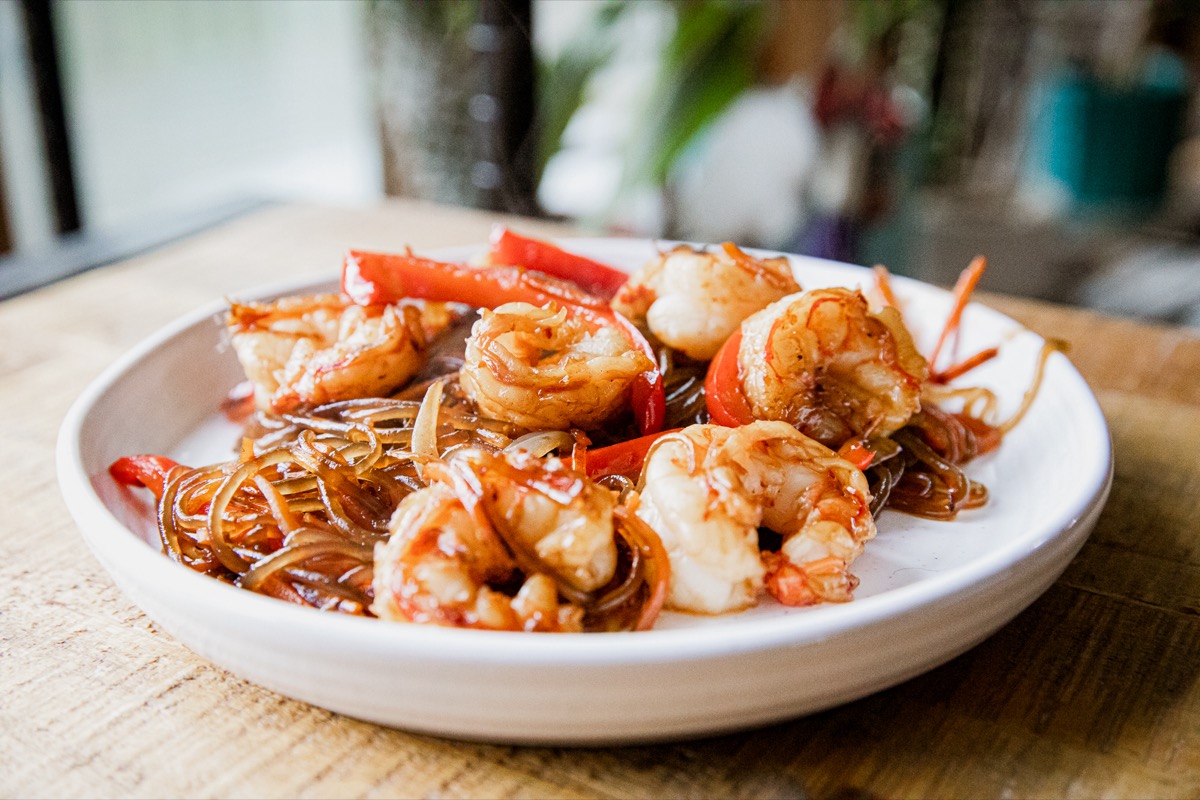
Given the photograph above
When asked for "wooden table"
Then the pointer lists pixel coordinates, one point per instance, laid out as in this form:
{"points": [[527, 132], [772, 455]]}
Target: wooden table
{"points": [[1093, 691]]}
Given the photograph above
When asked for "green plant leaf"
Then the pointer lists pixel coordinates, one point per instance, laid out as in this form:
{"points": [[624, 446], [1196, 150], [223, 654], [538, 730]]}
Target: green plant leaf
{"points": [[563, 82], [706, 65]]}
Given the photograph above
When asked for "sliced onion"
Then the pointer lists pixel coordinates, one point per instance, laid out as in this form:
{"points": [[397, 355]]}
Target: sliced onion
{"points": [[424, 437], [539, 443]]}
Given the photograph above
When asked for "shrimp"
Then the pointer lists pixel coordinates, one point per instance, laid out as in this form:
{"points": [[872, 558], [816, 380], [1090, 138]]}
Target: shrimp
{"points": [[707, 490], [488, 523], [438, 566], [320, 348], [692, 300], [542, 368], [563, 518], [825, 362]]}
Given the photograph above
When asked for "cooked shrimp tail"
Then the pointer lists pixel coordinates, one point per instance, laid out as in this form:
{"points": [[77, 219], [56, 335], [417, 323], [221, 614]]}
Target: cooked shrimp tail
{"points": [[692, 300], [543, 368], [511, 541], [708, 489], [823, 361], [305, 351]]}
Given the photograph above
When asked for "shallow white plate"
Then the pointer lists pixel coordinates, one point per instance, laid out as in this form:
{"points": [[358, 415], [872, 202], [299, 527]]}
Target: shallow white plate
{"points": [[929, 590]]}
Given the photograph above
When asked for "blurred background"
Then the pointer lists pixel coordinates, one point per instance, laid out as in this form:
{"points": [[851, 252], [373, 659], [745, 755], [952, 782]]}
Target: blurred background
{"points": [[1058, 137]]}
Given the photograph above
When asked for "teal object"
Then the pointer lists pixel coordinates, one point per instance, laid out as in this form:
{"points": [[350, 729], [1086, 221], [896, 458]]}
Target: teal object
{"points": [[1110, 145]]}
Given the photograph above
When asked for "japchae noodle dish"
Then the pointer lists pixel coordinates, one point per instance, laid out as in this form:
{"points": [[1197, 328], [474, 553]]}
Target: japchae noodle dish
{"points": [[539, 442]]}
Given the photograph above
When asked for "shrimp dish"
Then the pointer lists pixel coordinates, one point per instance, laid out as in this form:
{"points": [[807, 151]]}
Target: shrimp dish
{"points": [[539, 442]]}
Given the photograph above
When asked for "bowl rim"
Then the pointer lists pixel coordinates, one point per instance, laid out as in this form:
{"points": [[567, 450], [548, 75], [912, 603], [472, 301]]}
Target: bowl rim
{"points": [[123, 551]]}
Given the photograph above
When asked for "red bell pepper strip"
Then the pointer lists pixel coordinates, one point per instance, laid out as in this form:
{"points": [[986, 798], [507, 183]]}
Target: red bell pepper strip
{"points": [[857, 453], [509, 249], [727, 405], [623, 458], [370, 278], [144, 470]]}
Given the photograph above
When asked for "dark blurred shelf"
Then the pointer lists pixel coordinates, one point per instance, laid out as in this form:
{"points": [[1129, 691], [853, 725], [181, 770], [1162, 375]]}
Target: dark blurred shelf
{"points": [[81, 251]]}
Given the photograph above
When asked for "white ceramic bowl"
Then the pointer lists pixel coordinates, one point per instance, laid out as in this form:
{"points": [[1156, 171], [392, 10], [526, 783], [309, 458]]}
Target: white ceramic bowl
{"points": [[929, 590]]}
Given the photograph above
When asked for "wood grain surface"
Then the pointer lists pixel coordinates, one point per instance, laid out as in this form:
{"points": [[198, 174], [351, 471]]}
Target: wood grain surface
{"points": [[1091, 692]]}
